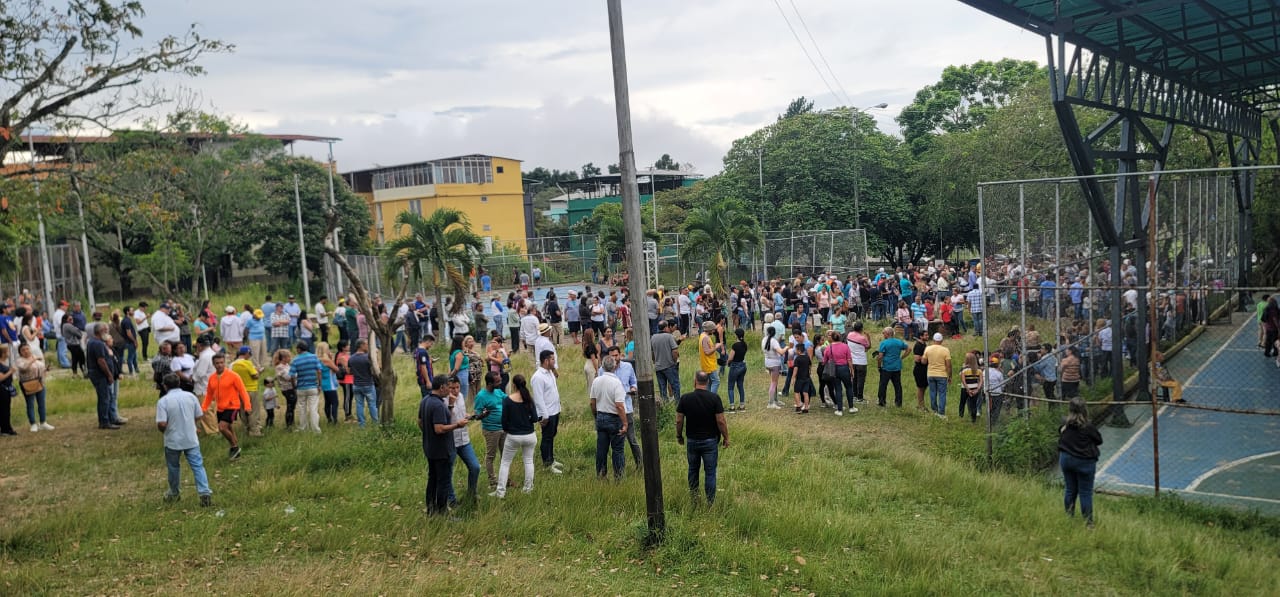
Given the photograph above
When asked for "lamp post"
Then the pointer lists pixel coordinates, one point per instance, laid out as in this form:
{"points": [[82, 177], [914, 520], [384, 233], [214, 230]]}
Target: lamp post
{"points": [[857, 167]]}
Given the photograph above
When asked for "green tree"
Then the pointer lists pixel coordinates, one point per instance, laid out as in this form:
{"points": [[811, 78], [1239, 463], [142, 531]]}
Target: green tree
{"points": [[589, 169], [798, 106], [443, 242], [57, 59], [964, 98], [719, 233], [606, 225], [666, 163]]}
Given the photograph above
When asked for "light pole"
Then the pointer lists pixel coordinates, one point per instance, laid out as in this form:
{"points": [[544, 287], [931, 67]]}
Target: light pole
{"points": [[857, 166]]}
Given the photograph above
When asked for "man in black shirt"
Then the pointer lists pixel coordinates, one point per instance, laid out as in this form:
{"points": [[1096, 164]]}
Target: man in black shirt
{"points": [[437, 443], [707, 432], [102, 373]]}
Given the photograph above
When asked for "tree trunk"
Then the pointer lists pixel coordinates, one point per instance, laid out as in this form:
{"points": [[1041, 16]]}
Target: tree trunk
{"points": [[441, 336]]}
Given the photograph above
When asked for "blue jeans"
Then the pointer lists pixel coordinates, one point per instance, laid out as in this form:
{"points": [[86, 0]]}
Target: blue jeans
{"points": [[114, 407], [33, 400], [64, 356], [938, 394], [131, 357], [737, 375], [609, 442], [464, 381], [669, 382], [103, 391], [279, 343], [704, 453], [977, 323], [369, 395], [468, 456], [713, 384], [1078, 475], [172, 461], [958, 317]]}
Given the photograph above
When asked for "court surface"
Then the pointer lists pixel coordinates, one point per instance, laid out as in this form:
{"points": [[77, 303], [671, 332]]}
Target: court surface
{"points": [[1224, 458]]}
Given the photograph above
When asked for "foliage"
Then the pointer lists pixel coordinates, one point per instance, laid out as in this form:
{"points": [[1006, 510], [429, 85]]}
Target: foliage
{"points": [[964, 98], [275, 223], [606, 224], [798, 106], [443, 242], [590, 169], [1027, 444], [719, 233], [73, 61], [666, 163]]}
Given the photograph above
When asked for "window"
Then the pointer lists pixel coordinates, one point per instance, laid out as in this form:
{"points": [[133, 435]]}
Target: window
{"points": [[487, 228], [484, 199], [499, 169], [415, 206], [476, 169]]}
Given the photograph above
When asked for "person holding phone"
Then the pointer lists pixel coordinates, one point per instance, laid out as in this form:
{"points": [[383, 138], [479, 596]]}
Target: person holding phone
{"points": [[437, 424]]}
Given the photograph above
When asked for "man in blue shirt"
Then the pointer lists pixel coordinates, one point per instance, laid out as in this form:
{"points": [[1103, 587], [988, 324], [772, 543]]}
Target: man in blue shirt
{"points": [[977, 304], [1048, 297], [176, 416], [268, 306], [889, 359], [293, 310], [437, 425], [257, 329], [305, 370], [1077, 298], [486, 282]]}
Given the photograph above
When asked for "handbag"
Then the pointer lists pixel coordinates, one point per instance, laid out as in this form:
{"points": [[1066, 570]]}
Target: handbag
{"points": [[829, 369], [32, 386]]}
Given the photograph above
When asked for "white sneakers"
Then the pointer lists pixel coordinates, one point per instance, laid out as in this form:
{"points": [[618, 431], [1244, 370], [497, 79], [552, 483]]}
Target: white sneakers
{"points": [[839, 413], [34, 428], [556, 468], [46, 427], [853, 409]]}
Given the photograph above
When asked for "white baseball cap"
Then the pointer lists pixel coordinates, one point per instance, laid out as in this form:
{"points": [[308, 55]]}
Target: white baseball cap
{"points": [[937, 337]]}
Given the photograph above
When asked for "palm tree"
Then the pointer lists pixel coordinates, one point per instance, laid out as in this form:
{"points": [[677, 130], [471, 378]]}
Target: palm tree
{"points": [[445, 243], [720, 233]]}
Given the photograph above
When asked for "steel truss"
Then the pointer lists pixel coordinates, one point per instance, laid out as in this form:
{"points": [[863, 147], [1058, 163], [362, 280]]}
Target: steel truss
{"points": [[1079, 78]]}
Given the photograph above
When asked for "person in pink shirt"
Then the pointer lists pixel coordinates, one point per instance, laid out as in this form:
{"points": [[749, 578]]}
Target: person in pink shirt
{"points": [[858, 344]]}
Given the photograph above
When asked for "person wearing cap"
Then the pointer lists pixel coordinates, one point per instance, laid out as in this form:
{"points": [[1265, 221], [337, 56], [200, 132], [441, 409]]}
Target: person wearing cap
{"points": [[938, 359], [227, 393], [256, 329], [249, 374], [543, 343], [293, 310], [232, 329]]}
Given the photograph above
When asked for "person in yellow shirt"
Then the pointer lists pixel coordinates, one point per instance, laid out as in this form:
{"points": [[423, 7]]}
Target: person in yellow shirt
{"points": [[938, 358], [226, 390], [708, 355], [249, 374]]}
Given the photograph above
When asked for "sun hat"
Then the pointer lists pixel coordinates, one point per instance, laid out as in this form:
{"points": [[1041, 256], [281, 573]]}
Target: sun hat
{"points": [[544, 328], [230, 309]]}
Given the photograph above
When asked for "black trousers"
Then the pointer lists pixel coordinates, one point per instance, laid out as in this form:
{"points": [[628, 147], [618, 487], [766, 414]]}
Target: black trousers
{"points": [[6, 403], [438, 472], [291, 405], [548, 444], [887, 377], [145, 337], [77, 358]]}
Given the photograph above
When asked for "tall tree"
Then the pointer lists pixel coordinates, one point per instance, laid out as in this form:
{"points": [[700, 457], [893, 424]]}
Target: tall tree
{"points": [[798, 106], [666, 163], [964, 98], [277, 251], [73, 61], [720, 233], [590, 169]]}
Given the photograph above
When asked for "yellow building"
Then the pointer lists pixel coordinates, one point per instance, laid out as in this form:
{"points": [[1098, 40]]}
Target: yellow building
{"points": [[488, 189]]}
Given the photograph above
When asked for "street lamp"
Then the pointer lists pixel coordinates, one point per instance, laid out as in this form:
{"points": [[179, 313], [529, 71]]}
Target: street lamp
{"points": [[857, 167]]}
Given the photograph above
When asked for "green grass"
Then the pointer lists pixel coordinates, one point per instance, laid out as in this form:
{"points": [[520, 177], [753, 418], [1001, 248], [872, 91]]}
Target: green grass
{"points": [[887, 501]]}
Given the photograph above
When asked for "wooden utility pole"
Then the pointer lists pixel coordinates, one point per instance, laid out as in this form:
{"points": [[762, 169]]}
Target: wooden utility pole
{"points": [[638, 283]]}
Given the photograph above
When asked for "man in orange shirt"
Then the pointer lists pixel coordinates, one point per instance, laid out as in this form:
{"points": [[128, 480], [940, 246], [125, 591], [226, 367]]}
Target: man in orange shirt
{"points": [[226, 391]]}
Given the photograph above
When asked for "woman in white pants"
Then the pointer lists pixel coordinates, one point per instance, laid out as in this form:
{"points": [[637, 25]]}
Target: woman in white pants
{"points": [[518, 420]]}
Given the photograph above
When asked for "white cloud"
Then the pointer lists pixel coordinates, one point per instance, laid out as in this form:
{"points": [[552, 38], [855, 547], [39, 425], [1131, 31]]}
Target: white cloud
{"points": [[404, 81]]}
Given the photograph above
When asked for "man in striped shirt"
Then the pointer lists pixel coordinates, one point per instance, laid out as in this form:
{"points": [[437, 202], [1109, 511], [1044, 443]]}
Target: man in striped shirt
{"points": [[305, 370]]}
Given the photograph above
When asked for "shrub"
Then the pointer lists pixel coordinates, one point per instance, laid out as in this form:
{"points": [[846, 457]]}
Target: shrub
{"points": [[1027, 444]]}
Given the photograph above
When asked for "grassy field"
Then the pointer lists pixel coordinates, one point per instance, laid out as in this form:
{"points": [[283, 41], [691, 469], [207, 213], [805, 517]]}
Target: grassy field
{"points": [[887, 501]]}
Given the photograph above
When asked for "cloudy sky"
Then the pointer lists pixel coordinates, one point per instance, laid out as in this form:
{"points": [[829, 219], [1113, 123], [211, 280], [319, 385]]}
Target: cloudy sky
{"points": [[408, 80]]}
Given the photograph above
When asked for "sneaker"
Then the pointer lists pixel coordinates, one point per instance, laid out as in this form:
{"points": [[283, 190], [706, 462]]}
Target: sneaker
{"points": [[852, 410], [775, 405], [940, 415], [742, 408], [797, 409], [839, 413], [34, 428], [495, 494], [556, 471], [170, 497], [122, 420], [557, 464], [46, 427], [235, 453], [206, 500]]}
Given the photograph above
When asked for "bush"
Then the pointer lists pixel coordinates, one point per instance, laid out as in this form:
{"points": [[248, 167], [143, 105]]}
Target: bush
{"points": [[1027, 444]]}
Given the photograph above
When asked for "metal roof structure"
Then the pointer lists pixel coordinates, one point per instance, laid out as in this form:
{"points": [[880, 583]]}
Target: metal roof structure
{"points": [[1225, 48]]}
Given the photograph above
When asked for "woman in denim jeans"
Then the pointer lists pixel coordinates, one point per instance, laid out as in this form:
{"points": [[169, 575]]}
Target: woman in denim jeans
{"points": [[738, 370], [1078, 443]]}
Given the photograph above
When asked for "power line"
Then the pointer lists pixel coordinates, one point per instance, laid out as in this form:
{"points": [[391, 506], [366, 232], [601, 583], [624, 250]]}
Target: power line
{"points": [[805, 50], [818, 48]]}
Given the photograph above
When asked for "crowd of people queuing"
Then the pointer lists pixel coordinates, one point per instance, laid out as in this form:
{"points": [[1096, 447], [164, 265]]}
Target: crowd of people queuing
{"points": [[212, 371]]}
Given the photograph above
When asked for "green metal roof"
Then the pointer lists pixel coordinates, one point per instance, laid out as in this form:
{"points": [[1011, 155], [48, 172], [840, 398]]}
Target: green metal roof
{"points": [[1226, 48]]}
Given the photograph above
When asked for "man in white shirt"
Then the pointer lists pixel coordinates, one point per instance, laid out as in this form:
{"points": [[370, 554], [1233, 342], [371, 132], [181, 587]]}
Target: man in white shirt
{"points": [[322, 316], [544, 343], [200, 379], [608, 404], [176, 415], [64, 356], [684, 308], [143, 325], [627, 375], [232, 329], [546, 399], [529, 328], [163, 327]]}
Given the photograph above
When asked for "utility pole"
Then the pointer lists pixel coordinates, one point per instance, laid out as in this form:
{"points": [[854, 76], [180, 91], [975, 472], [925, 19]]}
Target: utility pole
{"points": [[302, 246], [44, 248], [333, 204], [638, 284]]}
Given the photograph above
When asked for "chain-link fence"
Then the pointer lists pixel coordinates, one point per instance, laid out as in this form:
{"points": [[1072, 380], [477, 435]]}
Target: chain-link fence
{"points": [[65, 266], [1159, 336]]}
